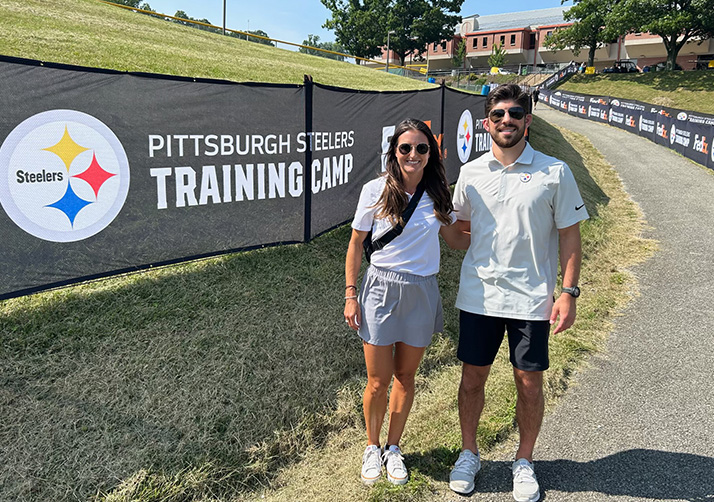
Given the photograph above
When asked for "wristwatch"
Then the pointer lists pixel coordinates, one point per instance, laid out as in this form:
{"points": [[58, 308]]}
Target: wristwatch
{"points": [[574, 291]]}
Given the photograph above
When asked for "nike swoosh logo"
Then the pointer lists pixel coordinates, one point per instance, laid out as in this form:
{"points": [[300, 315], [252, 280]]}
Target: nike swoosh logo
{"points": [[578, 208]]}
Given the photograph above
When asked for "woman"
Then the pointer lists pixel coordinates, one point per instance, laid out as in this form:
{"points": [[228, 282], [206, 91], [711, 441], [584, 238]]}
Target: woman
{"points": [[399, 307]]}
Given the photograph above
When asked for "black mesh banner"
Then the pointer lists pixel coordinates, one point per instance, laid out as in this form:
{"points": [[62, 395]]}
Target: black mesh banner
{"points": [[688, 133], [103, 172], [354, 129], [626, 114], [464, 137]]}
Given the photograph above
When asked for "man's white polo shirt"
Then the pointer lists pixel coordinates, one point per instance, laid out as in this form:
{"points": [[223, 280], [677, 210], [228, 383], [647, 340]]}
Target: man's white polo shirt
{"points": [[511, 266]]}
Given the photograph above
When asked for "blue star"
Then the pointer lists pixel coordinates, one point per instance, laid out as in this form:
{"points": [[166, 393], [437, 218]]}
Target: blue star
{"points": [[70, 204], [464, 147]]}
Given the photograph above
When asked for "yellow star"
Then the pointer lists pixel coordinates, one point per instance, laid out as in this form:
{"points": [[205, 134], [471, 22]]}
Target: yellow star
{"points": [[66, 149], [466, 125]]}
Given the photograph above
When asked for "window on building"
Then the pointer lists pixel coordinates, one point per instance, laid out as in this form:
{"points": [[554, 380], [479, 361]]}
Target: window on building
{"points": [[475, 43], [531, 41], [436, 47], [503, 40], [484, 43], [443, 46], [513, 39], [549, 33]]}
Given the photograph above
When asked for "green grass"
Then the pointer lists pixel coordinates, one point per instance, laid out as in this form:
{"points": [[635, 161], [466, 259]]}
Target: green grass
{"points": [[686, 90], [234, 377], [90, 33]]}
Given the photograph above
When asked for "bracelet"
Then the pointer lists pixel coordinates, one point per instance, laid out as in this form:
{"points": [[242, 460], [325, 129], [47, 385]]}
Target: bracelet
{"points": [[350, 297], [351, 286]]}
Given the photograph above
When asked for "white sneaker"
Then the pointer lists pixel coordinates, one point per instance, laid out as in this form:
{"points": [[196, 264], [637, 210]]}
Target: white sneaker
{"points": [[371, 464], [464, 472], [525, 484], [396, 470]]}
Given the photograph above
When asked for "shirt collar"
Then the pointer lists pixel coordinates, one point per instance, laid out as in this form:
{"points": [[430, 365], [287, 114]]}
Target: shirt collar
{"points": [[526, 157]]}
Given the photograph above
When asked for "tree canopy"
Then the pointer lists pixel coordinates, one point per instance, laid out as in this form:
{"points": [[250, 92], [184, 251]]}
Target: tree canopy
{"points": [[361, 26], [314, 41], [676, 21], [588, 29]]}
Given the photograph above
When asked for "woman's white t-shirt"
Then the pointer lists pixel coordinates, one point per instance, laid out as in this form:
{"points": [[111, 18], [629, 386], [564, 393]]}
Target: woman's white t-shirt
{"points": [[416, 250]]}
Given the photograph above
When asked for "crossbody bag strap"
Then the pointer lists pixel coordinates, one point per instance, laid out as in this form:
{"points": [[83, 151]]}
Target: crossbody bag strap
{"points": [[398, 228]]}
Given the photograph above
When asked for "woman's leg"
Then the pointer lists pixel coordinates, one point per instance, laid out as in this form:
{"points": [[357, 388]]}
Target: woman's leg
{"points": [[380, 367], [406, 363]]}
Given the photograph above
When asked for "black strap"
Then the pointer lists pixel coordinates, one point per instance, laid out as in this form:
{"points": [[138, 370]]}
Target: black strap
{"points": [[372, 246]]}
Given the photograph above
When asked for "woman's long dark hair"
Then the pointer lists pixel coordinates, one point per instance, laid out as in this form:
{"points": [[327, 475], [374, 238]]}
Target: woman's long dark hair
{"points": [[394, 200]]}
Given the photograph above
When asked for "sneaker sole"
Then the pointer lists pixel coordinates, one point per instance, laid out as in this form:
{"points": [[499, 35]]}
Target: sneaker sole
{"points": [[473, 485], [397, 481], [368, 481], [535, 498]]}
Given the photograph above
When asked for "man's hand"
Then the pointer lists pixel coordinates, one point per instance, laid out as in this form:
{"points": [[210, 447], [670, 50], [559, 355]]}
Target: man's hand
{"points": [[563, 312]]}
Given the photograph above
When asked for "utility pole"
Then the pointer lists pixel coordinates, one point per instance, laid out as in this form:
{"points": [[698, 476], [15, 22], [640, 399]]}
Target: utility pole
{"points": [[224, 17]]}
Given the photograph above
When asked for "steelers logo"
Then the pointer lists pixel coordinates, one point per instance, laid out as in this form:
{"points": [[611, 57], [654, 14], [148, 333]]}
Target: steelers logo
{"points": [[64, 176], [465, 136]]}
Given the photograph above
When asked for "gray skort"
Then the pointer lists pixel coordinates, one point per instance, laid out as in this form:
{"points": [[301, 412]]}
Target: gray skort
{"points": [[399, 307]]}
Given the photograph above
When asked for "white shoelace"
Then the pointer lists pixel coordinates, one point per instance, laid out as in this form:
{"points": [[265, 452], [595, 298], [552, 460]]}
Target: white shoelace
{"points": [[466, 464], [524, 474], [371, 459]]}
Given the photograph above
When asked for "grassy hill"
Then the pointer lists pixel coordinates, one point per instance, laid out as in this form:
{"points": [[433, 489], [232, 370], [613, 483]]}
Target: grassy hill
{"points": [[234, 378], [91, 33], [686, 90]]}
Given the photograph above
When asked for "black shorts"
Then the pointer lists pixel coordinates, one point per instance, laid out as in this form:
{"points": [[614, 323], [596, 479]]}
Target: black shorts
{"points": [[480, 337]]}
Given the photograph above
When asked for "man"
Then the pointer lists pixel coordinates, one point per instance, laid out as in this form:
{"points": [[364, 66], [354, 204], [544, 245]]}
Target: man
{"points": [[523, 209]]}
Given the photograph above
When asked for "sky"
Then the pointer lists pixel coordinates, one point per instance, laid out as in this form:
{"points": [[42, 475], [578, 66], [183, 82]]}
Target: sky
{"points": [[294, 20]]}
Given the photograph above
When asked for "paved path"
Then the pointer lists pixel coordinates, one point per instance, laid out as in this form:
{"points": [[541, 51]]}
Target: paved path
{"points": [[639, 423]]}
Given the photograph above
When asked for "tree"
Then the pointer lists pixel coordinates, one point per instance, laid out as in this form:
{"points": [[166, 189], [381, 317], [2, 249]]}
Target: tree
{"points": [[137, 4], [459, 58], [418, 24], [361, 26], [253, 39], [314, 41], [676, 21], [498, 56], [587, 30], [130, 3], [182, 15]]}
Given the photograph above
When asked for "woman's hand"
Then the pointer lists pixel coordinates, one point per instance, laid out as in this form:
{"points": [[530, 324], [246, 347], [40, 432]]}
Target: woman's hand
{"points": [[353, 262], [353, 314]]}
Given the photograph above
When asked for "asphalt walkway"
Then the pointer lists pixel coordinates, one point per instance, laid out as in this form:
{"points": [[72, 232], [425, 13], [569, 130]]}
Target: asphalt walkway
{"points": [[638, 425]]}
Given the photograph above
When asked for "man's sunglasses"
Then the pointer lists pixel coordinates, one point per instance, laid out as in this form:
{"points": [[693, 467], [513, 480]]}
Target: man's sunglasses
{"points": [[406, 148], [497, 114]]}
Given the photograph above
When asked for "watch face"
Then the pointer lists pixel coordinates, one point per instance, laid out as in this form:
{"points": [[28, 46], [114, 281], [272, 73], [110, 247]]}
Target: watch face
{"points": [[574, 291]]}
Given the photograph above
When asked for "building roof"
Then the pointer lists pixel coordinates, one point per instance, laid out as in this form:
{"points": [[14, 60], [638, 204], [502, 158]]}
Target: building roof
{"points": [[515, 20]]}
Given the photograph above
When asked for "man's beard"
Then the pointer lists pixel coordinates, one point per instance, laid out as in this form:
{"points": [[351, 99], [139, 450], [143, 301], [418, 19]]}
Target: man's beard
{"points": [[512, 140]]}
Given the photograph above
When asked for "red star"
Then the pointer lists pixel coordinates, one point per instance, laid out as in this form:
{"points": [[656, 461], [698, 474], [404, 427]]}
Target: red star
{"points": [[468, 137], [94, 175]]}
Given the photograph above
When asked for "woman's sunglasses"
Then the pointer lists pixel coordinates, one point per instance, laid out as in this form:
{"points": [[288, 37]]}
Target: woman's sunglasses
{"points": [[497, 114], [406, 148]]}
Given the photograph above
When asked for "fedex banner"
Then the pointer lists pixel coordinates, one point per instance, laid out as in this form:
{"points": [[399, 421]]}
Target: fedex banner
{"points": [[103, 172], [688, 133]]}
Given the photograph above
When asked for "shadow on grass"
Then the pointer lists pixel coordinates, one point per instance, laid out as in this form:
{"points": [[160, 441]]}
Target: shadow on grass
{"points": [[237, 363]]}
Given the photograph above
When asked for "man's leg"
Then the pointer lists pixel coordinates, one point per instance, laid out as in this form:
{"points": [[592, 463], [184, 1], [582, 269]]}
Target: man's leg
{"points": [[529, 410], [471, 401]]}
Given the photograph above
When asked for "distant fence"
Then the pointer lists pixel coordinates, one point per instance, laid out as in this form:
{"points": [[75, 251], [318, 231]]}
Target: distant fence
{"points": [[103, 172], [686, 132]]}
